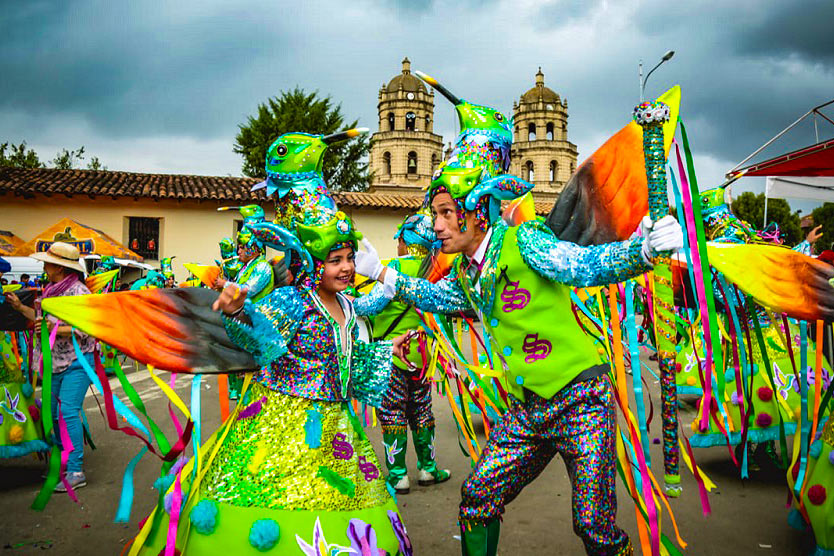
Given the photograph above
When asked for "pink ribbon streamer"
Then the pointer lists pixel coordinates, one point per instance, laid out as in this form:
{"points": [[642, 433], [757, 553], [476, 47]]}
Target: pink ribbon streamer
{"points": [[66, 443], [700, 288], [66, 449]]}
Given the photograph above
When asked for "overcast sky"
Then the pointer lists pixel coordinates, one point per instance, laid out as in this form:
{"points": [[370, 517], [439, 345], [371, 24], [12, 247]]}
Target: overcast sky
{"points": [[160, 86]]}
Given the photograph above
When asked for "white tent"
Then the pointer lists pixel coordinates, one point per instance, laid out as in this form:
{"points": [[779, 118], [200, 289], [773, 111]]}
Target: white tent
{"points": [[797, 187]]}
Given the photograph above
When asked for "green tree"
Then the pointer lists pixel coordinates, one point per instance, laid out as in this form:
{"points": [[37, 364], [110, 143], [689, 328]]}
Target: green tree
{"points": [[345, 165], [19, 156], [750, 207], [824, 216], [65, 160]]}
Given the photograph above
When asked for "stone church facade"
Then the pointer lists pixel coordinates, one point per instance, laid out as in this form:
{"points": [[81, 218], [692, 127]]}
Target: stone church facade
{"points": [[405, 151]]}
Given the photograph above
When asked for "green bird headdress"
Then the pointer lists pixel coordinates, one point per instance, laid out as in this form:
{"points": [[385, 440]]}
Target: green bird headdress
{"points": [[332, 229], [252, 214], [486, 134], [167, 266], [474, 174], [294, 161]]}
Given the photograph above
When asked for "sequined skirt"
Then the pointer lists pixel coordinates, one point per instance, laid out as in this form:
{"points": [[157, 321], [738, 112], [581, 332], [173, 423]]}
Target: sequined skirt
{"points": [[293, 476]]}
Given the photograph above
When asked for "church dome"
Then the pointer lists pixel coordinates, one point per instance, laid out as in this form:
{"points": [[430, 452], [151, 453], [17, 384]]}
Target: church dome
{"points": [[405, 80], [539, 92]]}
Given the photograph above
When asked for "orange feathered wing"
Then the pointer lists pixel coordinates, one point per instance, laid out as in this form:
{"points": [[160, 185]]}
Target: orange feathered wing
{"points": [[172, 329], [607, 196]]}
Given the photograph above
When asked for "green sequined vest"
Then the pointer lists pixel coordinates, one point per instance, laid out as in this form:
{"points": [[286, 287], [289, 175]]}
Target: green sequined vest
{"points": [[530, 322]]}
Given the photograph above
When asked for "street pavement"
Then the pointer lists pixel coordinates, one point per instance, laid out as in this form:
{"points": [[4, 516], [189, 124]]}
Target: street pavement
{"points": [[748, 517]]}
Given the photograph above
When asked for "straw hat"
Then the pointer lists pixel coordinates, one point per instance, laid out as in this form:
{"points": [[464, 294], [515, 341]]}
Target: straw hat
{"points": [[62, 254]]}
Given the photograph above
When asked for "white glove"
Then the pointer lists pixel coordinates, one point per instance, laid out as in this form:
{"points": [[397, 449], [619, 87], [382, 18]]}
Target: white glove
{"points": [[367, 261], [665, 235]]}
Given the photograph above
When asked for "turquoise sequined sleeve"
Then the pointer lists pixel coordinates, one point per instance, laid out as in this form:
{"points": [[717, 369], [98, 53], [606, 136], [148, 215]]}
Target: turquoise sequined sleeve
{"points": [[371, 304], [444, 296], [370, 369], [273, 322], [375, 302], [568, 263]]}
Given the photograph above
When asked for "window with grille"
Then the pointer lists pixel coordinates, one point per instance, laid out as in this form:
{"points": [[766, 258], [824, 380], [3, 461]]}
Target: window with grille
{"points": [[143, 236]]}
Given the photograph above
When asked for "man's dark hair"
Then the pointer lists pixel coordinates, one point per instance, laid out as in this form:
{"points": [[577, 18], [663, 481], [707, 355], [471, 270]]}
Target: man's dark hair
{"points": [[24, 277]]}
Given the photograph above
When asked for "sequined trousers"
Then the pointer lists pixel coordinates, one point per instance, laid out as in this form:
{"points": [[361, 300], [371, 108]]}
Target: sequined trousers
{"points": [[579, 424], [407, 403]]}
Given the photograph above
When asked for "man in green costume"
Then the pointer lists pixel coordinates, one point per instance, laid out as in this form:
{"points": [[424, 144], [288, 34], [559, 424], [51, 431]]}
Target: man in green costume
{"points": [[519, 279]]}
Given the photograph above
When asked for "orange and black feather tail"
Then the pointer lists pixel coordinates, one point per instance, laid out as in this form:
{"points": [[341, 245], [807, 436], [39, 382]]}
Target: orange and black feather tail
{"points": [[172, 329]]}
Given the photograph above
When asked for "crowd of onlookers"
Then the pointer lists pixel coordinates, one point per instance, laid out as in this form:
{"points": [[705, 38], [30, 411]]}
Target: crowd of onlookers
{"points": [[26, 281]]}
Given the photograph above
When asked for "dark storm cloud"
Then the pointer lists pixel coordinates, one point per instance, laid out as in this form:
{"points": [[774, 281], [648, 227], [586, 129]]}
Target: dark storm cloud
{"points": [[747, 69], [128, 67], [803, 29], [556, 13], [153, 69]]}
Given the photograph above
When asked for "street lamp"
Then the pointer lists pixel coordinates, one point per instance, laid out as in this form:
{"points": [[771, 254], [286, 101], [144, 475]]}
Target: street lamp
{"points": [[666, 58]]}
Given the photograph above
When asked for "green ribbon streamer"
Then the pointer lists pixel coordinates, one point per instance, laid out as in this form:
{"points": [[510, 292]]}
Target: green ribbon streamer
{"points": [[134, 398], [46, 395]]}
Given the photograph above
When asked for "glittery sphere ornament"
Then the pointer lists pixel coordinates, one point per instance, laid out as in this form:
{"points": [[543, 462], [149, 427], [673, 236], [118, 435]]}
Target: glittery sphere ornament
{"points": [[651, 113], [168, 502]]}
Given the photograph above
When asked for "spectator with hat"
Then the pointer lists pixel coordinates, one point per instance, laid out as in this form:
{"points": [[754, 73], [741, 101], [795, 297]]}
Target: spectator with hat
{"points": [[65, 275]]}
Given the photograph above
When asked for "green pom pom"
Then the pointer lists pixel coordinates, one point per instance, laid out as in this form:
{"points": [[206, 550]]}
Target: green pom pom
{"points": [[264, 534], [27, 390], [204, 517]]}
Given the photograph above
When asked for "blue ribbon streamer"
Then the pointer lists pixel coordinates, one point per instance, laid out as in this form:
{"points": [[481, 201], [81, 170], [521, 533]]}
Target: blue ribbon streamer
{"points": [[582, 307], [708, 287], [196, 392], [121, 408], [126, 499]]}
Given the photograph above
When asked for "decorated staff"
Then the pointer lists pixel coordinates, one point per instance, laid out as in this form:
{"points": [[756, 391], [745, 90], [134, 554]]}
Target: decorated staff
{"points": [[651, 116]]}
